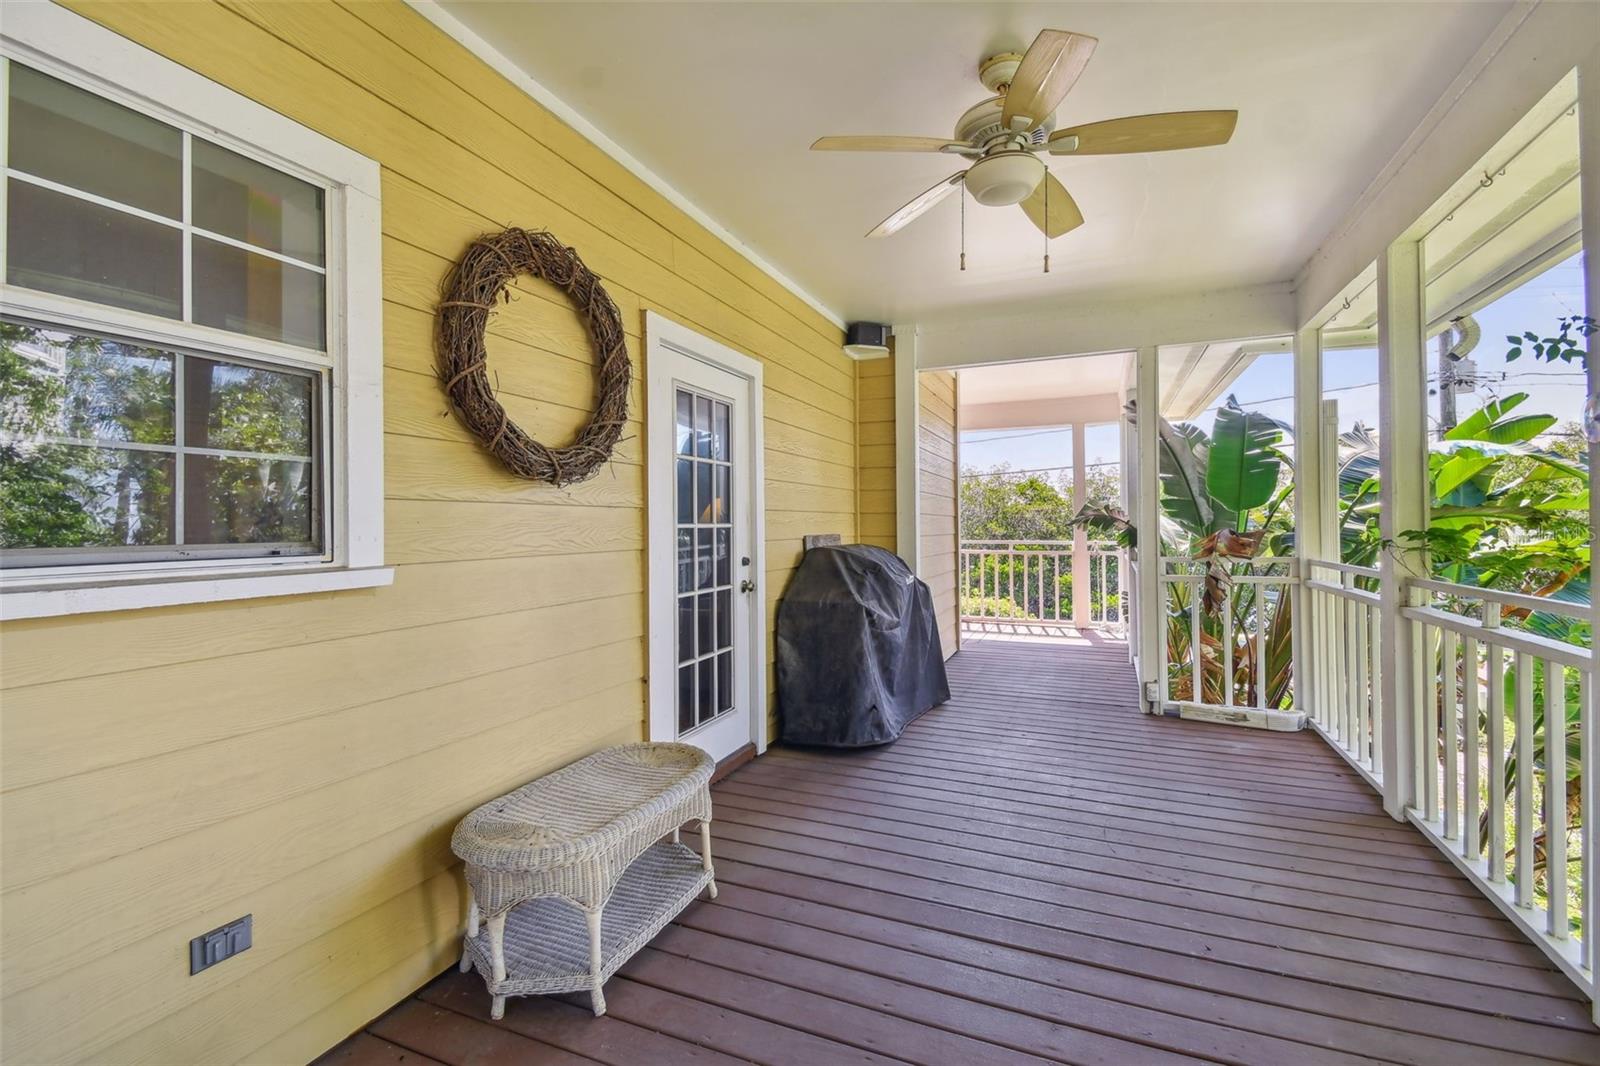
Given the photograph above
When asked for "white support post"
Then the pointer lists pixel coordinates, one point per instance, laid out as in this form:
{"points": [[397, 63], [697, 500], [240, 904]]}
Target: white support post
{"points": [[908, 477], [1147, 521], [1081, 577], [1589, 169], [1310, 499], [1403, 465]]}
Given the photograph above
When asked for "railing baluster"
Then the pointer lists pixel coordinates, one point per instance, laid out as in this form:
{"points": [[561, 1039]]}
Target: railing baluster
{"points": [[1227, 644], [1428, 681], [1358, 703], [1523, 742], [1378, 710], [1471, 835], [1195, 590], [1497, 750], [1261, 640], [1447, 707], [1555, 796], [1347, 660], [1588, 837]]}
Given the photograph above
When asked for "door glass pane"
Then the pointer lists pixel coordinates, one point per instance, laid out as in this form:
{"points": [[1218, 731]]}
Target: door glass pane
{"points": [[704, 621], [254, 294], [60, 244], [702, 493], [724, 562], [686, 696], [706, 691], [246, 408], [66, 135], [685, 423], [719, 433], [242, 199], [685, 628], [704, 567], [685, 560], [686, 491], [722, 502], [247, 501], [66, 496], [702, 425], [724, 681], [724, 619]]}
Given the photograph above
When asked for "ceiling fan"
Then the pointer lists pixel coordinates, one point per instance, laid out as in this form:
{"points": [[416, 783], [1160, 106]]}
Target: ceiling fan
{"points": [[1005, 134]]}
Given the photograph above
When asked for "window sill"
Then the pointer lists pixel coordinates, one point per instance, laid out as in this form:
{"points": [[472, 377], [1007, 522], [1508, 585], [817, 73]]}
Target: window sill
{"points": [[58, 601]]}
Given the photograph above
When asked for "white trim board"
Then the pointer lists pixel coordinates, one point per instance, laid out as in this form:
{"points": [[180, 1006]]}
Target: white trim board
{"points": [[664, 337], [503, 65]]}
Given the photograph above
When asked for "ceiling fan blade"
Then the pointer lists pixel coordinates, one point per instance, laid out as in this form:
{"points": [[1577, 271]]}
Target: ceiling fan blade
{"points": [[911, 211], [885, 144], [1146, 133], [1064, 214], [1048, 69]]}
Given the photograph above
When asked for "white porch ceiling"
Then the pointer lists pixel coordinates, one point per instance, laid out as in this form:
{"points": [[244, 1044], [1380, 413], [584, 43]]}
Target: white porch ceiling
{"points": [[723, 100]]}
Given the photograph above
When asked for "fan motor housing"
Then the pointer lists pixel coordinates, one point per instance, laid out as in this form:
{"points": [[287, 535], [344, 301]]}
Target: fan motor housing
{"points": [[1001, 178], [980, 124]]}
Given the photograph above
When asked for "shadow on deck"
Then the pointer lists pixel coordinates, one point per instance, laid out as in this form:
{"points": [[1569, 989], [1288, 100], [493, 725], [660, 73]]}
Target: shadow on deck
{"points": [[1037, 872]]}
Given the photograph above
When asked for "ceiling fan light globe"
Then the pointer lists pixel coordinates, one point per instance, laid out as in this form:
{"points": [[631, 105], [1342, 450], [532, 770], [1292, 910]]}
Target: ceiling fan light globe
{"points": [[1004, 178]]}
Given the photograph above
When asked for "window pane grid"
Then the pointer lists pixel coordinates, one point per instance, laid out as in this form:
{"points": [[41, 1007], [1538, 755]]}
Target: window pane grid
{"points": [[705, 540], [102, 160]]}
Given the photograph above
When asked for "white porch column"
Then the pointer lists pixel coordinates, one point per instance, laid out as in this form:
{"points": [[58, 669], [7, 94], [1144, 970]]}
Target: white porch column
{"points": [[1403, 465], [907, 474], [1080, 536], [1589, 170], [1310, 497], [1149, 604]]}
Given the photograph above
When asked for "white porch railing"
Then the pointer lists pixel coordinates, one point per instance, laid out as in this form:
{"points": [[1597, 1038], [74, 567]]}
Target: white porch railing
{"points": [[1342, 662], [1235, 663], [1492, 701], [1021, 582]]}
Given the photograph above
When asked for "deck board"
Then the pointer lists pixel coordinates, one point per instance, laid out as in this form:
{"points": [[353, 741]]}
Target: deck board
{"points": [[1035, 873]]}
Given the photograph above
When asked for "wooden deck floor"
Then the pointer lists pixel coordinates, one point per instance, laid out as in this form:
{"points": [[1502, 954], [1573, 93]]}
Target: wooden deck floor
{"points": [[1036, 872]]}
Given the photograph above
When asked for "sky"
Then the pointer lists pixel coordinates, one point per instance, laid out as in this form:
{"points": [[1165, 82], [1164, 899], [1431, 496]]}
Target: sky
{"points": [[1350, 376]]}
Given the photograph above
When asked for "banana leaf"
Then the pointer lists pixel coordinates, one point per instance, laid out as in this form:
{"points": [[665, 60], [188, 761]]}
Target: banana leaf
{"points": [[1242, 471], [1184, 453]]}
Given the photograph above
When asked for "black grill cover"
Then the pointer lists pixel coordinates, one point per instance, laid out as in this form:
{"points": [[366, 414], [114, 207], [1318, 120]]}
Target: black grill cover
{"points": [[858, 649]]}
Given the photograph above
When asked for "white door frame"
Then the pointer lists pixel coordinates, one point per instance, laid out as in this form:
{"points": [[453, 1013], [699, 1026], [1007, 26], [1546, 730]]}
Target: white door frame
{"points": [[667, 345]]}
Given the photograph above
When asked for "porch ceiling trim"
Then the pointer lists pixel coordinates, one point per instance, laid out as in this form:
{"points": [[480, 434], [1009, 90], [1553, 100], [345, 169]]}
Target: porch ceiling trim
{"points": [[1532, 49], [513, 73], [1050, 411], [1092, 325]]}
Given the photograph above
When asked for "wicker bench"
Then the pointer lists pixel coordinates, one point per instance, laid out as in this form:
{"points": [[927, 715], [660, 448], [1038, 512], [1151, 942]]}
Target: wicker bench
{"points": [[571, 874]]}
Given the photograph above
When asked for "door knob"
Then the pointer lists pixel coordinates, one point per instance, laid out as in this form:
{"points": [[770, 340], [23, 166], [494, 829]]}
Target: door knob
{"points": [[747, 585]]}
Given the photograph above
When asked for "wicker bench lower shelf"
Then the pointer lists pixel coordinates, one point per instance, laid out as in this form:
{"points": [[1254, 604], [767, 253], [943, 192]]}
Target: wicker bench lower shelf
{"points": [[547, 946]]}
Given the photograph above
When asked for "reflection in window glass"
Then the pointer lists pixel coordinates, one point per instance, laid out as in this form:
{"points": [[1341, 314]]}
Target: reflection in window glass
{"points": [[246, 408], [1350, 382], [250, 202], [64, 134], [253, 294], [71, 247], [94, 447]]}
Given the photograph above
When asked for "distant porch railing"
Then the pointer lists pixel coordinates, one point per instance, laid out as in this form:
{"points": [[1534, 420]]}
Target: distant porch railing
{"points": [[1022, 583]]}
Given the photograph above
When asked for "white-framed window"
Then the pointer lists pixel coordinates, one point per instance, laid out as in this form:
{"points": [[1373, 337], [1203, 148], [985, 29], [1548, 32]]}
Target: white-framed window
{"points": [[190, 335]]}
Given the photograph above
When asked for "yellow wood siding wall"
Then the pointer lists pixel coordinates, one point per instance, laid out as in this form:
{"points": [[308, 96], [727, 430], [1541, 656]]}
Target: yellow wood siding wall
{"points": [[875, 434], [304, 759], [936, 458]]}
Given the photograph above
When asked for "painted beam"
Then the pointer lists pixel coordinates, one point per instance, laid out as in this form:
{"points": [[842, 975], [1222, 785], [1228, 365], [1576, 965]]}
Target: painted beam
{"points": [[1053, 411], [1093, 325]]}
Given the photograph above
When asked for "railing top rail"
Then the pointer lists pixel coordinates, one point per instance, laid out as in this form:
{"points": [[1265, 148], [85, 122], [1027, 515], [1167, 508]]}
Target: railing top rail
{"points": [[1260, 560], [1520, 640], [1034, 545], [1235, 579], [1506, 599], [1345, 568], [1345, 591]]}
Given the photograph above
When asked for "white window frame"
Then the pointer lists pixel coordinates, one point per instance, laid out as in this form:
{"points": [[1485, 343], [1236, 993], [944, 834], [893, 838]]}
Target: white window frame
{"points": [[75, 49]]}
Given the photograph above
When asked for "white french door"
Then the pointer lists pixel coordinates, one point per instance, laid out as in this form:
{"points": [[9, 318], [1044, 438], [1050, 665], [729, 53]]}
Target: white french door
{"points": [[707, 623]]}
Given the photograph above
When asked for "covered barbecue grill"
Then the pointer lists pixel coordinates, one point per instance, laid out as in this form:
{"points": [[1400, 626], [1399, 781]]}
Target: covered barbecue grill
{"points": [[858, 649]]}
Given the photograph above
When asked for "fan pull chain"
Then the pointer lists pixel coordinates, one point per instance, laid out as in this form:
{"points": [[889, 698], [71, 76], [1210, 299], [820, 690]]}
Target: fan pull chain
{"points": [[963, 225], [1047, 220]]}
